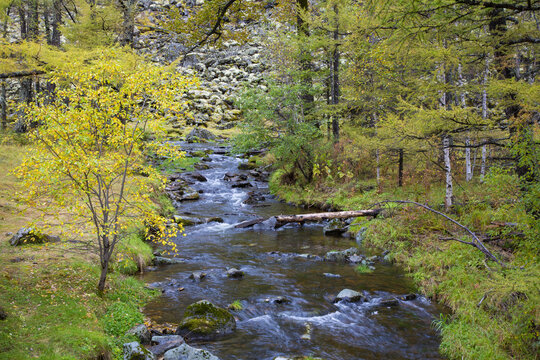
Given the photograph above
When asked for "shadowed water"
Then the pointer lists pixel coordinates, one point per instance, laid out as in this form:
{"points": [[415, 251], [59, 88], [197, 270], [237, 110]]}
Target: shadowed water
{"points": [[270, 260]]}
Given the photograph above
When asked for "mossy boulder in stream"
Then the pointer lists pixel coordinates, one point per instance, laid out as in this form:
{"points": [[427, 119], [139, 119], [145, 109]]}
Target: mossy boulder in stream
{"points": [[204, 321]]}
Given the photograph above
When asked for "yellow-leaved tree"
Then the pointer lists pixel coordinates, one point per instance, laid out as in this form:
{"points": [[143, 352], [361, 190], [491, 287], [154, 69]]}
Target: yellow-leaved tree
{"points": [[92, 135]]}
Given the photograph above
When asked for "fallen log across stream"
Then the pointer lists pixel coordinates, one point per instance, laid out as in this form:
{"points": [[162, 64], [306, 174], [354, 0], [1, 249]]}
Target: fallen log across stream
{"points": [[285, 219]]}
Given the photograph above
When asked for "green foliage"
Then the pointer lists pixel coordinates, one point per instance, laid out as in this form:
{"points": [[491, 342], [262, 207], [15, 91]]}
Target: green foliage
{"points": [[120, 317], [363, 269], [236, 305]]}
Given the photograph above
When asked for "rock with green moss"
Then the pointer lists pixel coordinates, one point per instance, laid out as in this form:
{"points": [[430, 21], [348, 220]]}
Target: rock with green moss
{"points": [[134, 351], [141, 332], [26, 236], [204, 321]]}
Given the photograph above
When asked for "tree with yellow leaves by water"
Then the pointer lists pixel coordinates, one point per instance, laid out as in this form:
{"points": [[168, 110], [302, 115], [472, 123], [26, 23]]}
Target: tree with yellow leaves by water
{"points": [[92, 137]]}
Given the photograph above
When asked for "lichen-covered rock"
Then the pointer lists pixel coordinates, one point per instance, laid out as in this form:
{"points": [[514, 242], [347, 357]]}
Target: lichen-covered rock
{"points": [[186, 352], [134, 351], [349, 295], [30, 236], [197, 275], [198, 134], [141, 332], [160, 260], [205, 321]]}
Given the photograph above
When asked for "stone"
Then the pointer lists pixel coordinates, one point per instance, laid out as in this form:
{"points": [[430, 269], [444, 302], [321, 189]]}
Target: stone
{"points": [[235, 273], [141, 332], [204, 321], [197, 275], [360, 235], [160, 260], [215, 219], [134, 351], [335, 227], [198, 176], [241, 184], [165, 343], [330, 275], [341, 256], [26, 236], [186, 352], [198, 134], [247, 166], [349, 295], [407, 297], [281, 300]]}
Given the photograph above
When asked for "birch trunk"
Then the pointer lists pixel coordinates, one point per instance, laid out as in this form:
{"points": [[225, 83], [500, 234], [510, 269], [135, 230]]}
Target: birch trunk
{"points": [[484, 116], [448, 169], [335, 77]]}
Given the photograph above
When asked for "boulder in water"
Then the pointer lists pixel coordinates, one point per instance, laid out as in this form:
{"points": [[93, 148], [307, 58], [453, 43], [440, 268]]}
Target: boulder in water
{"points": [[141, 332], [335, 227], [342, 255], [198, 134], [165, 343], [186, 352], [197, 275], [205, 321], [235, 273], [349, 295]]}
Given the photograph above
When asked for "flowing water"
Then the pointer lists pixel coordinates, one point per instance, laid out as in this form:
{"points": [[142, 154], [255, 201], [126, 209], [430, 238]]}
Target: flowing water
{"points": [[266, 329]]}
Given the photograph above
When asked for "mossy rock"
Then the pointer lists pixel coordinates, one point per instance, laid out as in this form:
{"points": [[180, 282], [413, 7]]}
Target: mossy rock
{"points": [[204, 321], [27, 236]]}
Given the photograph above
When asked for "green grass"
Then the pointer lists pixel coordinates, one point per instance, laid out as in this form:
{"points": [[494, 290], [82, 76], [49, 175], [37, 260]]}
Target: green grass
{"points": [[236, 305], [363, 269]]}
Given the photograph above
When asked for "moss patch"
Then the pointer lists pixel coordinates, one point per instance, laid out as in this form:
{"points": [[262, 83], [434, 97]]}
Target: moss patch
{"points": [[204, 320]]}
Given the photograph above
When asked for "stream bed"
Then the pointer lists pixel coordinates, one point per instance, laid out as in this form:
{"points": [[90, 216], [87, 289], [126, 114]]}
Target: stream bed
{"points": [[267, 326]]}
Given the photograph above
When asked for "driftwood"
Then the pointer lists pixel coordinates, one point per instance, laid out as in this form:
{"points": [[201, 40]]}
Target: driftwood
{"points": [[285, 219]]}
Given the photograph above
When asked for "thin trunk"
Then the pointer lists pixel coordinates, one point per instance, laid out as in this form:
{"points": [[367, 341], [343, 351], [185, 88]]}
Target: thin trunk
{"points": [[33, 20], [483, 165], [400, 168], [377, 155], [57, 21], [335, 77], [468, 165], [305, 56], [484, 116], [47, 23], [104, 269], [128, 25], [22, 22], [3, 104], [448, 170]]}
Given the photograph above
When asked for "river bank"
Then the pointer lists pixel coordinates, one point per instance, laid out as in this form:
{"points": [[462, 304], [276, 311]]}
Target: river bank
{"points": [[495, 310]]}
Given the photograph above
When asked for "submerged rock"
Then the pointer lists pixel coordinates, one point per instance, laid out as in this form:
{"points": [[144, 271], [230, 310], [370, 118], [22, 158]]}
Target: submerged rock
{"points": [[141, 332], [31, 236], [389, 302], [134, 351], [160, 260], [349, 295], [205, 321], [407, 297], [186, 352]]}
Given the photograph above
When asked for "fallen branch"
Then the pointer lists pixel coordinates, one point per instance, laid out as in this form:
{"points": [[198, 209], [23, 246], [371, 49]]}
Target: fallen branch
{"points": [[285, 219], [477, 243], [23, 73]]}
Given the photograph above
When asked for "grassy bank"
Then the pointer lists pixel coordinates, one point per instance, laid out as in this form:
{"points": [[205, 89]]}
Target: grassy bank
{"points": [[495, 309], [48, 291]]}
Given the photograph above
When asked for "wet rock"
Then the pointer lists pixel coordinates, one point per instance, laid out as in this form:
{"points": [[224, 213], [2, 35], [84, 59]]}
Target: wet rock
{"points": [[26, 236], [335, 227], [186, 352], [253, 198], [355, 259], [389, 302], [235, 273], [198, 134], [198, 176], [241, 184], [165, 343], [280, 300], [349, 295], [215, 219], [197, 275], [141, 332], [407, 297], [200, 166], [247, 166], [341, 256], [204, 321], [187, 194], [160, 260], [360, 235], [134, 351], [185, 221]]}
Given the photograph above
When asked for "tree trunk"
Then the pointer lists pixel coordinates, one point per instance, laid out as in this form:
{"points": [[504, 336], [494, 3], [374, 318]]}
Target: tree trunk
{"points": [[57, 21], [128, 24], [305, 56], [3, 104], [468, 164], [335, 77], [22, 22], [33, 20], [484, 116], [483, 165], [448, 200], [400, 167], [47, 23]]}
